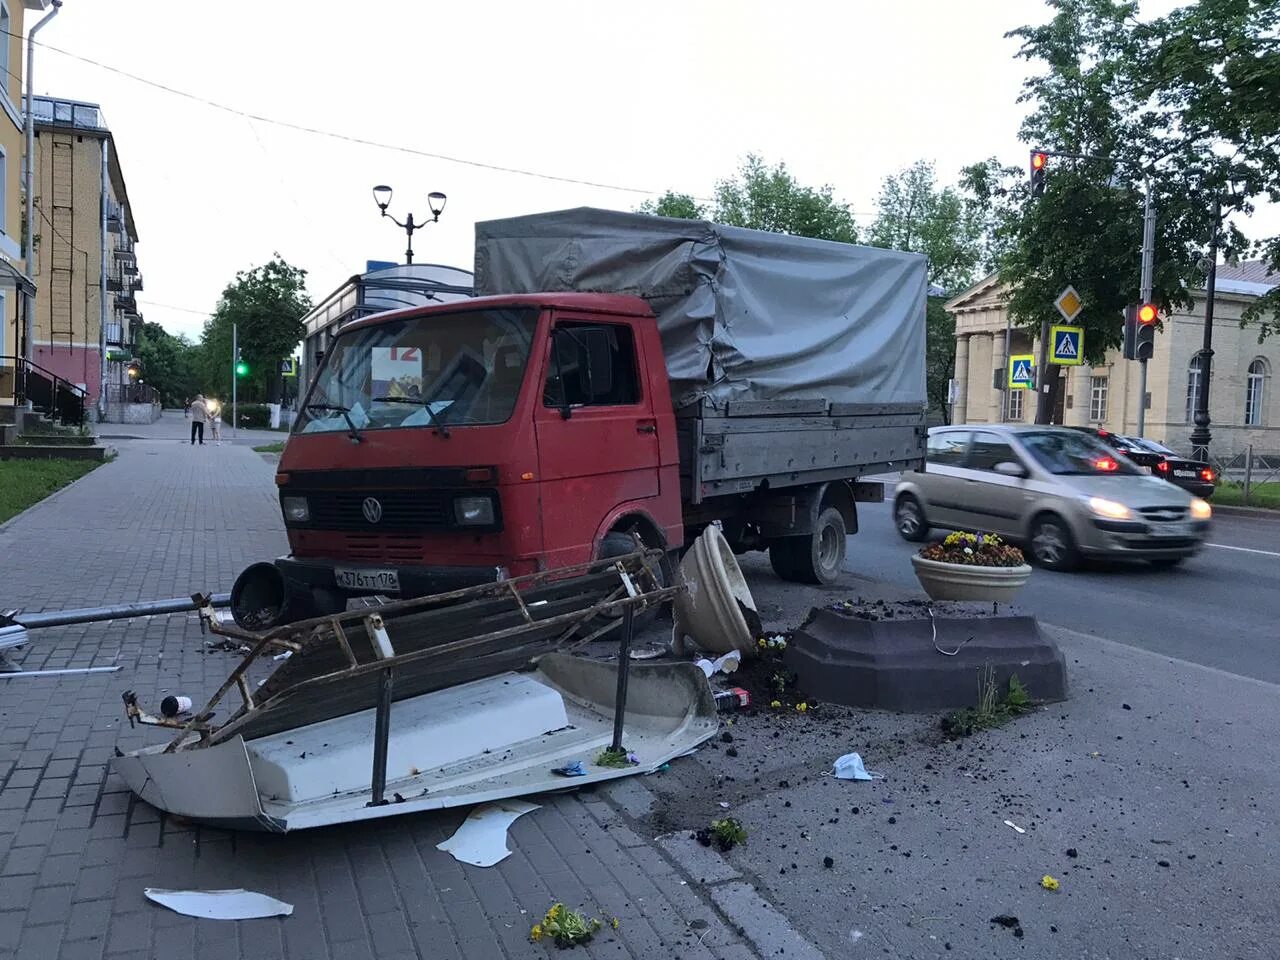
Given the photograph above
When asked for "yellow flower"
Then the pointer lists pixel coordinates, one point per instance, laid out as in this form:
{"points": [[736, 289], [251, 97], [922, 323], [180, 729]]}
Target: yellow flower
{"points": [[536, 933], [776, 705], [802, 707], [614, 923], [1049, 883]]}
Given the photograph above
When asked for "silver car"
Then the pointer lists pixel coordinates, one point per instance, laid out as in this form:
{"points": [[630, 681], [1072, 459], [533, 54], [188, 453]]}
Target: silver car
{"points": [[1061, 493]]}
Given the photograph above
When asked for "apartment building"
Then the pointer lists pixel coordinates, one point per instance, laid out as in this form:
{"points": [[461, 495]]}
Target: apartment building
{"points": [[85, 264]]}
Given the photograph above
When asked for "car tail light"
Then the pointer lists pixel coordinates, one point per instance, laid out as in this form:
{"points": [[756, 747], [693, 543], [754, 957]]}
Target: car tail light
{"points": [[1207, 474], [1163, 466], [1105, 464]]}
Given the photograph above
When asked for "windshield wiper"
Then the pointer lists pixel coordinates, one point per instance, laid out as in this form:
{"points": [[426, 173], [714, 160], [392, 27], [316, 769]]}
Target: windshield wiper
{"points": [[437, 422], [346, 415]]}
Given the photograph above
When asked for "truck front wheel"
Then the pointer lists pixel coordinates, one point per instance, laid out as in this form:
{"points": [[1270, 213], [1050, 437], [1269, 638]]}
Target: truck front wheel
{"points": [[817, 558]]}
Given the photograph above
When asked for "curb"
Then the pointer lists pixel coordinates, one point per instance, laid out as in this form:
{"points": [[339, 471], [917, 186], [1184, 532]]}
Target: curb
{"points": [[1233, 511]]}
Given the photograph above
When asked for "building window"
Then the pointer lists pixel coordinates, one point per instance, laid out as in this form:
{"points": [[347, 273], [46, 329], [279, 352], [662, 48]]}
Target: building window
{"points": [[1015, 405], [1193, 387], [1254, 383], [1098, 399]]}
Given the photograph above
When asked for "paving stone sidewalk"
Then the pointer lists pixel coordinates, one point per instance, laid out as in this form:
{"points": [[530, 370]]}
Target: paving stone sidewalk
{"points": [[77, 849]]}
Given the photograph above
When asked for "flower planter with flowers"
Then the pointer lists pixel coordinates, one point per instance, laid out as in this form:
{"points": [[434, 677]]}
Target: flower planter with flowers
{"points": [[971, 566]]}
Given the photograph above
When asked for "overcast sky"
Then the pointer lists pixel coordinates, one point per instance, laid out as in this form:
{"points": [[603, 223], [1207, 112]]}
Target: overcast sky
{"points": [[647, 96]]}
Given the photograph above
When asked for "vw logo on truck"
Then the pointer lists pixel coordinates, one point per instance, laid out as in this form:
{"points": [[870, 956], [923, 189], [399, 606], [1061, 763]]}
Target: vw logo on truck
{"points": [[372, 509]]}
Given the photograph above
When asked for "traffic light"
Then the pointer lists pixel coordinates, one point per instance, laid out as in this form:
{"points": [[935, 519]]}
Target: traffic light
{"points": [[1039, 164], [242, 366], [1140, 330]]}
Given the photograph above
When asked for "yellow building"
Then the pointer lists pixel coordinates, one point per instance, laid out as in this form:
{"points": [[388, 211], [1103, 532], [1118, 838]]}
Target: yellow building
{"points": [[14, 275], [86, 266], [1244, 407]]}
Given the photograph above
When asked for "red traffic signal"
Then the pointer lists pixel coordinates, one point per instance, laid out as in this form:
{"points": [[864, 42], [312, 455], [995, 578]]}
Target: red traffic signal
{"points": [[1039, 163], [1147, 314]]}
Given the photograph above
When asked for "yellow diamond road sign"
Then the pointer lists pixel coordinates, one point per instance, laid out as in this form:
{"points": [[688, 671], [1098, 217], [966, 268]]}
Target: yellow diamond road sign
{"points": [[1068, 304]]}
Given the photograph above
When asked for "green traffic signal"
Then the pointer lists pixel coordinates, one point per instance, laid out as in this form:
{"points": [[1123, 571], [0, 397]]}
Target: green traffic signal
{"points": [[242, 368]]}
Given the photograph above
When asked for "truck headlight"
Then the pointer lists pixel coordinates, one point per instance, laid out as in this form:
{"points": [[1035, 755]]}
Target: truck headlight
{"points": [[1109, 509], [473, 511], [1200, 509], [295, 509]]}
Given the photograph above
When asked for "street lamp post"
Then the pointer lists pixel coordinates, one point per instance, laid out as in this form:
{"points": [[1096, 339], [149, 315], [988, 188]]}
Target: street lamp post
{"points": [[1200, 436], [435, 200]]}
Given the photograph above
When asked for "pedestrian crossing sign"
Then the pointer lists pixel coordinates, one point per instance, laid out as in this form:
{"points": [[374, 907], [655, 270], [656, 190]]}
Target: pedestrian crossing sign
{"points": [[289, 367], [1022, 372], [1068, 345]]}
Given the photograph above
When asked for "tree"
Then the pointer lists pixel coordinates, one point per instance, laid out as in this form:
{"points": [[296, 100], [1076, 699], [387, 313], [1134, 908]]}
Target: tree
{"points": [[170, 364], [671, 204], [266, 305], [770, 198], [765, 198], [914, 214], [1095, 98]]}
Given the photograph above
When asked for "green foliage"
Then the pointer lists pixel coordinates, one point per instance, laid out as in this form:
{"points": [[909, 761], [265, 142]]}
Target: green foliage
{"points": [[766, 198], [266, 304], [726, 833], [992, 710], [170, 364], [609, 757], [1189, 100], [670, 204], [254, 416]]}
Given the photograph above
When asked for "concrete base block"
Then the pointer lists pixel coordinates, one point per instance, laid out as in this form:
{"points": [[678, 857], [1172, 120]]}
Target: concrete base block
{"points": [[894, 664]]}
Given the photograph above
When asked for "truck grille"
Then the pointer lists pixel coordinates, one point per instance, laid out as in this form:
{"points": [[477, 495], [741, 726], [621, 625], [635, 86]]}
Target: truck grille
{"points": [[401, 509], [384, 548]]}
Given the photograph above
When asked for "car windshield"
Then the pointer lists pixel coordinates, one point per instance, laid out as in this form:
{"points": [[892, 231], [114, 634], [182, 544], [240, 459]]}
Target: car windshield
{"points": [[450, 370], [1068, 452]]}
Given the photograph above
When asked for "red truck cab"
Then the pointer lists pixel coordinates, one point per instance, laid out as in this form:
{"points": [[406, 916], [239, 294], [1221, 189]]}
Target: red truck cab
{"points": [[452, 445]]}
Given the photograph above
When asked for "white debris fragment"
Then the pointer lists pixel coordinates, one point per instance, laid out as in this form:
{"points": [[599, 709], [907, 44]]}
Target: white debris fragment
{"points": [[220, 904], [482, 839], [1010, 823]]}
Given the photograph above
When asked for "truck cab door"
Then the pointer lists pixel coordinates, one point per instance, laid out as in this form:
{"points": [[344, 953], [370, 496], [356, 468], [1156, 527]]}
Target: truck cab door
{"points": [[596, 430]]}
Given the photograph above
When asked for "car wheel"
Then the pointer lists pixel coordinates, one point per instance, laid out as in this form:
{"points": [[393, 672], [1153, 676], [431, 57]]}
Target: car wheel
{"points": [[908, 517], [1052, 545]]}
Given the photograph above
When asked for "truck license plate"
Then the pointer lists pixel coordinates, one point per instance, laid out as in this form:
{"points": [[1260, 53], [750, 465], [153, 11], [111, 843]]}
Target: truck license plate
{"points": [[379, 581]]}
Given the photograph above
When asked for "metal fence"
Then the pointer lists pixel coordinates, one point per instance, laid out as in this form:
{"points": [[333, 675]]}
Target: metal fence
{"points": [[1248, 470], [132, 393]]}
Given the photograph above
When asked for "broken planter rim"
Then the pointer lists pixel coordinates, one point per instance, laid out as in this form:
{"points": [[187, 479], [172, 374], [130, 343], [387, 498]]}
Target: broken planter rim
{"points": [[962, 581]]}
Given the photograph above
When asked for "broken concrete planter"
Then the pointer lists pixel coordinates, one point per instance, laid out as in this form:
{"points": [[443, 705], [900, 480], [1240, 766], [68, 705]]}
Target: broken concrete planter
{"points": [[962, 581]]}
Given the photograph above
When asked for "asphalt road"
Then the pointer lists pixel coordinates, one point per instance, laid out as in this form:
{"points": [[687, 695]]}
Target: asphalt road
{"points": [[1220, 608]]}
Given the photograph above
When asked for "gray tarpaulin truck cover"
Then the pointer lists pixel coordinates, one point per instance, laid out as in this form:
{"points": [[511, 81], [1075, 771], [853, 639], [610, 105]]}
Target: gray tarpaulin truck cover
{"points": [[743, 314]]}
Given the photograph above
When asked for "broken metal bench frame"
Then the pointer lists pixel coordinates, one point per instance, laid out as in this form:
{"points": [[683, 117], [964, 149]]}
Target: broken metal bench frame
{"points": [[397, 640]]}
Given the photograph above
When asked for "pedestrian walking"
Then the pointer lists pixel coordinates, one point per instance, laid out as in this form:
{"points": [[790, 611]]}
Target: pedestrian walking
{"points": [[199, 414]]}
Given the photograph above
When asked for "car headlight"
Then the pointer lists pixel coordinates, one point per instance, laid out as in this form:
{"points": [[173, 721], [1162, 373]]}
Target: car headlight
{"points": [[1200, 509], [1109, 509], [295, 509], [473, 511]]}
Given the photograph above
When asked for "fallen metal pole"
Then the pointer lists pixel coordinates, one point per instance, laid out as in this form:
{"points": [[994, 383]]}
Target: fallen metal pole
{"points": [[381, 734], [118, 611], [56, 673], [624, 669]]}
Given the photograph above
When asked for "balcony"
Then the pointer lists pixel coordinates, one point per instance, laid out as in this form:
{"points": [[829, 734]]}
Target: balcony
{"points": [[137, 283], [125, 301], [115, 284], [125, 255], [115, 334], [53, 111], [115, 218]]}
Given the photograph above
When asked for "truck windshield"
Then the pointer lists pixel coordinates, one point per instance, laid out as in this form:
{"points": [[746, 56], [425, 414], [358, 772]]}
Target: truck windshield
{"points": [[445, 370]]}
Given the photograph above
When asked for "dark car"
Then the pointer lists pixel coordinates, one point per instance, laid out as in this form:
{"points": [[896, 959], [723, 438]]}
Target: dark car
{"points": [[1194, 476]]}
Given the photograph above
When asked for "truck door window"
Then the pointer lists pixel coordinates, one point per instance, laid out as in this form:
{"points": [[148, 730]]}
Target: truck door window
{"points": [[592, 364]]}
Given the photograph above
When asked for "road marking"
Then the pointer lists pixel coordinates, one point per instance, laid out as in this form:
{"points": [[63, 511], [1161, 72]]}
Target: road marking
{"points": [[1223, 546]]}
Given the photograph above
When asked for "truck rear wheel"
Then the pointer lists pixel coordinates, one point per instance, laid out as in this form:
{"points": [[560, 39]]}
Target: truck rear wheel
{"points": [[817, 558]]}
